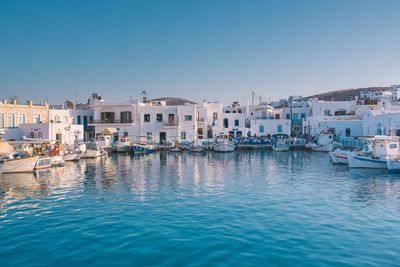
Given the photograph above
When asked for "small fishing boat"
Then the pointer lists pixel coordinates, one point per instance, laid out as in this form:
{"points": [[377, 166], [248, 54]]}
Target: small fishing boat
{"points": [[123, 145], [223, 144], [375, 156], [281, 142], [17, 162], [91, 154], [323, 143], [393, 164], [72, 156], [340, 156], [176, 148], [197, 147]]}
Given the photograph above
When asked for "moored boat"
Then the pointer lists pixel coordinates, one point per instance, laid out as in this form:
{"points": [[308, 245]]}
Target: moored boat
{"points": [[340, 156], [224, 145], [376, 155], [323, 143], [17, 162], [123, 145], [280, 142]]}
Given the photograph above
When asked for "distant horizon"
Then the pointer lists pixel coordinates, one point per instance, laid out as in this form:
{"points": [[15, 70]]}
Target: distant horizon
{"points": [[215, 50]]}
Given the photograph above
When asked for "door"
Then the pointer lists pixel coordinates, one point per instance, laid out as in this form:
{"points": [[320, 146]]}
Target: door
{"points": [[163, 137]]}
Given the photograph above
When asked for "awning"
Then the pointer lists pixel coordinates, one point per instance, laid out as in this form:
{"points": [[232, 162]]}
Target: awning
{"points": [[109, 131]]}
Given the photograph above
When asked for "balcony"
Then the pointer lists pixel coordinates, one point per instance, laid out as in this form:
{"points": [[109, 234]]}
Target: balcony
{"points": [[171, 124], [112, 122]]}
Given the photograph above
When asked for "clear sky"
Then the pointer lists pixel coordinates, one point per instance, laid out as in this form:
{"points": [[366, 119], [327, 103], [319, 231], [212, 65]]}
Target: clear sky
{"points": [[214, 50]]}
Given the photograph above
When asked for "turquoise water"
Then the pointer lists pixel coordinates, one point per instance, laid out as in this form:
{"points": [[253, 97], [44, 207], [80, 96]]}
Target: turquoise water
{"points": [[252, 208]]}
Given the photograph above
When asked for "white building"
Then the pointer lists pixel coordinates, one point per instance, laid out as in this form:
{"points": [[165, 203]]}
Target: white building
{"points": [[264, 127], [384, 120], [156, 121]]}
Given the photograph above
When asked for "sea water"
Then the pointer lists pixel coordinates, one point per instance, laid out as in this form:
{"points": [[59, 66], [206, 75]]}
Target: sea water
{"points": [[250, 208]]}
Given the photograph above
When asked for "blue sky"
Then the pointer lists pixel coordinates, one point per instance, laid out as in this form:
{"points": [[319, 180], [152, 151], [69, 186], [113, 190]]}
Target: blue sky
{"points": [[214, 50]]}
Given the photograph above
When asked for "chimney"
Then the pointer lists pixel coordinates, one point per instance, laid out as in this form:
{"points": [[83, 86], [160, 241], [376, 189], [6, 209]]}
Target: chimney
{"points": [[29, 103]]}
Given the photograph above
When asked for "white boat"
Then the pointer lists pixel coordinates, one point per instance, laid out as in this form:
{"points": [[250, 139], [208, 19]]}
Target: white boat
{"points": [[376, 155], [91, 154], [324, 142], [72, 156], [104, 142], [340, 156], [393, 164], [123, 145], [17, 162], [197, 146], [43, 163], [175, 149], [281, 142], [224, 146]]}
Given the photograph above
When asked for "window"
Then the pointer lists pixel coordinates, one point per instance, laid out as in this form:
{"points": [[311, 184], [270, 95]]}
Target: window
{"points": [[79, 119], [226, 123], [236, 122], [188, 117], [159, 117], [303, 115], [66, 119], [295, 116], [215, 116], [200, 133], [239, 111], [2, 120], [146, 117], [348, 132], [126, 117], [85, 121], [107, 117], [183, 135], [288, 116], [11, 120], [261, 128], [279, 128], [57, 118], [327, 112], [21, 119], [149, 136], [36, 118], [91, 119]]}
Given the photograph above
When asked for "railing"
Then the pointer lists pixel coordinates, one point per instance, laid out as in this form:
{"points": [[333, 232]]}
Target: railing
{"points": [[171, 123], [111, 121]]}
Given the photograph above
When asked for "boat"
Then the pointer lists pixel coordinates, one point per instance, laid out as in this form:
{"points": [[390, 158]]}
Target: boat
{"points": [[91, 154], [17, 162], [72, 156], [123, 145], [297, 143], [281, 142], [393, 164], [375, 156], [197, 147], [340, 156], [104, 142], [176, 148], [323, 143], [223, 144]]}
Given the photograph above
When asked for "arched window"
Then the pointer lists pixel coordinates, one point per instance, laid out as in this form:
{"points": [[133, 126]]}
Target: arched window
{"points": [[226, 123]]}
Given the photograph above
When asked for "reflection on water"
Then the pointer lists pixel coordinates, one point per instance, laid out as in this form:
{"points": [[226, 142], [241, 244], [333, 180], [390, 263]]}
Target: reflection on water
{"points": [[249, 206]]}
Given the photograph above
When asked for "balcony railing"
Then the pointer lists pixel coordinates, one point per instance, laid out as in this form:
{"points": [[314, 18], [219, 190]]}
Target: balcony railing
{"points": [[112, 121], [171, 123]]}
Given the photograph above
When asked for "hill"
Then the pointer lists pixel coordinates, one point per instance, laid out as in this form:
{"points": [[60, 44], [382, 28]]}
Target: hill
{"points": [[174, 101], [346, 94]]}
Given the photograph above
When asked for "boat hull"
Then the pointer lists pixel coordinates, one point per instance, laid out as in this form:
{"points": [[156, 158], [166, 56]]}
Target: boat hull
{"points": [[224, 147], [366, 162], [72, 157], [197, 149], [322, 148], [90, 154], [23, 165], [393, 165], [123, 149], [340, 156], [281, 148]]}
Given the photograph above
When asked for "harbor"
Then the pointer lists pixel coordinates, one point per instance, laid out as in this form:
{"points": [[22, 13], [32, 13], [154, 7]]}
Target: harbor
{"points": [[125, 208]]}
